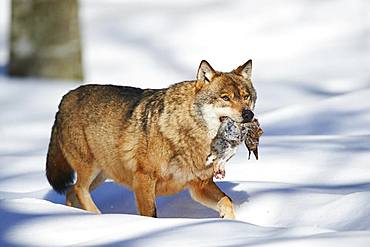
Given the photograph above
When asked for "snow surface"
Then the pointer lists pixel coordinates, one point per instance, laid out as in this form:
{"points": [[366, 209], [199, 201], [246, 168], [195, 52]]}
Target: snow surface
{"points": [[311, 186]]}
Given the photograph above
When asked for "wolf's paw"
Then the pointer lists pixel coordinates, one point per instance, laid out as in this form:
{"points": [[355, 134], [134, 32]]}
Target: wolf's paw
{"points": [[226, 208]]}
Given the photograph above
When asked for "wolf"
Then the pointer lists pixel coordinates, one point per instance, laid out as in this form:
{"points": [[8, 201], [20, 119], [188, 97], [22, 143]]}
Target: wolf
{"points": [[154, 141]]}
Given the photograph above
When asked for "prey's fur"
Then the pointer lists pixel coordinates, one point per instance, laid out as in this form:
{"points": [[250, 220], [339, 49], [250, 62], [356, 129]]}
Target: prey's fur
{"points": [[229, 136], [154, 141]]}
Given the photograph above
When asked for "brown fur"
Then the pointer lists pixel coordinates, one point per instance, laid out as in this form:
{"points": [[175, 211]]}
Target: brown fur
{"points": [[155, 142]]}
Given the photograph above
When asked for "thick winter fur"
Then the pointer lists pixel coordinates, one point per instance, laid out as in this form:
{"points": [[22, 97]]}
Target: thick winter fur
{"points": [[155, 142]]}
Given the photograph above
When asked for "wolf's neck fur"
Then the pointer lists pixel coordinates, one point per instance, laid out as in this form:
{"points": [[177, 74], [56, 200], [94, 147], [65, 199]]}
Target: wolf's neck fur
{"points": [[209, 116], [181, 115], [181, 125]]}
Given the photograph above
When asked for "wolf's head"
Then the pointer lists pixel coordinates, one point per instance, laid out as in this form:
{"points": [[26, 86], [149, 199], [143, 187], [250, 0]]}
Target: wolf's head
{"points": [[222, 94]]}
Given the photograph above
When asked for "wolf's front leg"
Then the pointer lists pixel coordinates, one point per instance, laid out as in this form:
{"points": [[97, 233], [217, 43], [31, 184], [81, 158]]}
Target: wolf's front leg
{"points": [[208, 194], [144, 189]]}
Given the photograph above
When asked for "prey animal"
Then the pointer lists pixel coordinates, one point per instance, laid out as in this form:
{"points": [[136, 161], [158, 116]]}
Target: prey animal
{"points": [[154, 141], [229, 136]]}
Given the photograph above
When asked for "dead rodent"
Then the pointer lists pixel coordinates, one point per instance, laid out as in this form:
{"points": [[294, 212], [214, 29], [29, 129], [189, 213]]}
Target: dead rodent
{"points": [[252, 138], [229, 136]]}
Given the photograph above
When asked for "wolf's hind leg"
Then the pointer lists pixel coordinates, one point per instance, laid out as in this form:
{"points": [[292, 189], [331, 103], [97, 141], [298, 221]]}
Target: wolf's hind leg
{"points": [[144, 189], [100, 178], [85, 177], [71, 199], [208, 194]]}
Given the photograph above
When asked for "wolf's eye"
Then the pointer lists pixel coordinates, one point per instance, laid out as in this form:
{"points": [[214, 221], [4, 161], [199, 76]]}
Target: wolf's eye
{"points": [[225, 97], [247, 97]]}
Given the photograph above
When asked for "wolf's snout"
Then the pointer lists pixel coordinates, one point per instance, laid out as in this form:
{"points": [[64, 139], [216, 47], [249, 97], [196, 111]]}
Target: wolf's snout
{"points": [[247, 115]]}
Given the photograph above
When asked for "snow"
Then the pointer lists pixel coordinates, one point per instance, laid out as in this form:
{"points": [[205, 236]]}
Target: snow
{"points": [[311, 186]]}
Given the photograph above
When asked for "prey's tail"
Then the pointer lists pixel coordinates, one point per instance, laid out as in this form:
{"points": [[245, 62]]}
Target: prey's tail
{"points": [[58, 171]]}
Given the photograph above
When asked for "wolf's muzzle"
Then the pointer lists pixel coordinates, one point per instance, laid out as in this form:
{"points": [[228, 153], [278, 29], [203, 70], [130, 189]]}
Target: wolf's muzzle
{"points": [[247, 115]]}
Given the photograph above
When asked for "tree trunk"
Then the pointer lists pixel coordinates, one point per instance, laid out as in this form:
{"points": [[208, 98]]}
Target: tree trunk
{"points": [[45, 39]]}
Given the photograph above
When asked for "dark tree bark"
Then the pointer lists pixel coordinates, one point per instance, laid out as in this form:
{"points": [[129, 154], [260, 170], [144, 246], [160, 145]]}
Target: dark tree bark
{"points": [[45, 39]]}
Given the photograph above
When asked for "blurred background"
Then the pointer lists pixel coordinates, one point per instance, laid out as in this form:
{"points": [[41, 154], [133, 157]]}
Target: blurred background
{"points": [[303, 52]]}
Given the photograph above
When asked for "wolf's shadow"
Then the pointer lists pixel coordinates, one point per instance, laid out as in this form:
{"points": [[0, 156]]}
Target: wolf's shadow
{"points": [[113, 198]]}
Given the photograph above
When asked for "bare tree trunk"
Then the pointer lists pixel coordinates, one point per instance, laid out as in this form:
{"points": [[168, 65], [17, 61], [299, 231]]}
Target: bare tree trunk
{"points": [[45, 39]]}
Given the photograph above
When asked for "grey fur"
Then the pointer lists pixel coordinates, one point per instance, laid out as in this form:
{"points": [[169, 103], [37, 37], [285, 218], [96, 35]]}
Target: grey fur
{"points": [[229, 136]]}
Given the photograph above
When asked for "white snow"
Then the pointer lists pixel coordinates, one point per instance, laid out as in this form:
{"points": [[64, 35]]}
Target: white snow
{"points": [[311, 186]]}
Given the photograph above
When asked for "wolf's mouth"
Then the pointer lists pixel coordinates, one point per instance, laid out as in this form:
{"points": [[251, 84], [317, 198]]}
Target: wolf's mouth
{"points": [[223, 118], [247, 121]]}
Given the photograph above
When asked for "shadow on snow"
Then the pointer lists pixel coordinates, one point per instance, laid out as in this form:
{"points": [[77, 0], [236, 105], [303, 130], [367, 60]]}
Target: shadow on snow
{"points": [[113, 198]]}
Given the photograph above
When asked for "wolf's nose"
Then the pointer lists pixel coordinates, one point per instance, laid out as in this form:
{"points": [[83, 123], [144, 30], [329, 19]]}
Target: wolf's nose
{"points": [[247, 115]]}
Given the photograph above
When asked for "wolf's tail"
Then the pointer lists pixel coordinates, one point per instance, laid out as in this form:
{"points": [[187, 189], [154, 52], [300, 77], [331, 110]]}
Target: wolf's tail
{"points": [[58, 171]]}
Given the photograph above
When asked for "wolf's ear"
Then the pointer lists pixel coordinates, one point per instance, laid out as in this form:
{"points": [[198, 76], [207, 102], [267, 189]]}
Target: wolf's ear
{"points": [[205, 72], [245, 70]]}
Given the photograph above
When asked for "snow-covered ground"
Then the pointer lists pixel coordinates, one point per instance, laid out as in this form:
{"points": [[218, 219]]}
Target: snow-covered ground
{"points": [[311, 186]]}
